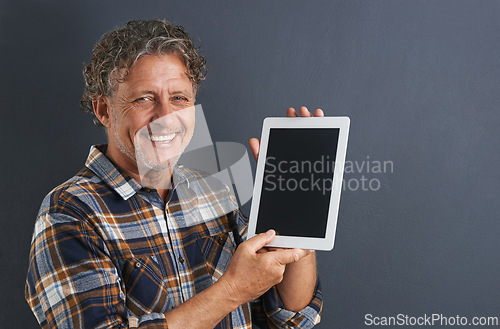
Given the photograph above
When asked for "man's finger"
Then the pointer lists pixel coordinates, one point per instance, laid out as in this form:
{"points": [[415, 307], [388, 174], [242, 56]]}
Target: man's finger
{"points": [[304, 112], [254, 146], [287, 256], [319, 113], [260, 240], [291, 113]]}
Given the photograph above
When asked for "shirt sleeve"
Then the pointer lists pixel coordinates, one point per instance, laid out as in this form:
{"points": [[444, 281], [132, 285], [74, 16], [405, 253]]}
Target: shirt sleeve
{"points": [[72, 281], [268, 311]]}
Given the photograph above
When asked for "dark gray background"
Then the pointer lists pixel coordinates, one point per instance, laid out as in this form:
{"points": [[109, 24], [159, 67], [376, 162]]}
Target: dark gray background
{"points": [[419, 80]]}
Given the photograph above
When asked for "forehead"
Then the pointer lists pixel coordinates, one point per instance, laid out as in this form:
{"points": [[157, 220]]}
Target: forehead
{"points": [[157, 70]]}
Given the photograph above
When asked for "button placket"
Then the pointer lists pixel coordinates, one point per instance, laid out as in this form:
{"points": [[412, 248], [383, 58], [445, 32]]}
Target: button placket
{"points": [[177, 256]]}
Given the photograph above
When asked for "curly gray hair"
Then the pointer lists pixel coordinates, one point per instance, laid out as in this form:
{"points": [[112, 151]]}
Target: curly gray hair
{"points": [[120, 49]]}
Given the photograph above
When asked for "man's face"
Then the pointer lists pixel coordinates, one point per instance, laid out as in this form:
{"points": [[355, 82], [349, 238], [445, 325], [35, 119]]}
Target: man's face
{"points": [[151, 117]]}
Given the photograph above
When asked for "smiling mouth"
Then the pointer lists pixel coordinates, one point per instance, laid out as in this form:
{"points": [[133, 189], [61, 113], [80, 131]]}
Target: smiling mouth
{"points": [[165, 138]]}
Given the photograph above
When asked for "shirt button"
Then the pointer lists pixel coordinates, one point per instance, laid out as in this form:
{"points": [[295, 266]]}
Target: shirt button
{"points": [[138, 264], [220, 240], [181, 259]]}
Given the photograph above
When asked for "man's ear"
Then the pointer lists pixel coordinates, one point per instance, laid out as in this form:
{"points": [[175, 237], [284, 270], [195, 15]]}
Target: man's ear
{"points": [[102, 110]]}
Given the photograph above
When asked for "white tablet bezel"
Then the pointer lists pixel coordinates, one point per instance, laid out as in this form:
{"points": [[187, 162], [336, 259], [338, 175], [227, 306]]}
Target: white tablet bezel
{"points": [[327, 242]]}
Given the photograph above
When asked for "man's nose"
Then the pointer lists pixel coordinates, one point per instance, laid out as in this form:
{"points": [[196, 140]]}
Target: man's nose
{"points": [[163, 109], [164, 116]]}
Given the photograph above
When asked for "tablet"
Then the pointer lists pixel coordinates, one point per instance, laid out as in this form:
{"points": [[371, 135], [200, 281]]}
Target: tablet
{"points": [[298, 181]]}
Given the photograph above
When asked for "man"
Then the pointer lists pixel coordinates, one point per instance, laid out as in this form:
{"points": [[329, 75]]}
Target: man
{"points": [[119, 246]]}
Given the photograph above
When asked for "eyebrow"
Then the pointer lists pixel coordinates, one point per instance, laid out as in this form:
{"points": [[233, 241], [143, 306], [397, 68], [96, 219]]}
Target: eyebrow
{"points": [[177, 92], [186, 92]]}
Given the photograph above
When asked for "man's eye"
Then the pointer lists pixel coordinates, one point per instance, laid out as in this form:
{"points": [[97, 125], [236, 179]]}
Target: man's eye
{"points": [[142, 99], [179, 98]]}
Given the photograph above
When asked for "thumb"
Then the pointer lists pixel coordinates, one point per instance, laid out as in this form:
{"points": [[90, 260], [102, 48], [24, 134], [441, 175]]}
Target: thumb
{"points": [[254, 146], [287, 256], [260, 240]]}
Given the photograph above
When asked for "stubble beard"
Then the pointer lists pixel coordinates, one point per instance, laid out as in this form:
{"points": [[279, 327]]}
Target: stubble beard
{"points": [[139, 157]]}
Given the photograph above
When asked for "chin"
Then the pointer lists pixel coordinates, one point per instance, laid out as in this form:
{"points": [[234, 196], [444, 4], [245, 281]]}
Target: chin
{"points": [[157, 161], [154, 164]]}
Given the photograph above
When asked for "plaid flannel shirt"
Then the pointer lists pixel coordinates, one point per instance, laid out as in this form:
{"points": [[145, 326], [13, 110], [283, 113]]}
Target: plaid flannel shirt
{"points": [[107, 252]]}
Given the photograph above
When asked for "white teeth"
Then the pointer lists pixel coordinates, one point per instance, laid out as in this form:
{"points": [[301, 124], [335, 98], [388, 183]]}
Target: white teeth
{"points": [[163, 139]]}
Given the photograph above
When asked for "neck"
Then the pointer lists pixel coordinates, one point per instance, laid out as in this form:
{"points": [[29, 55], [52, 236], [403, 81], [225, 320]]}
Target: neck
{"points": [[161, 180], [158, 179]]}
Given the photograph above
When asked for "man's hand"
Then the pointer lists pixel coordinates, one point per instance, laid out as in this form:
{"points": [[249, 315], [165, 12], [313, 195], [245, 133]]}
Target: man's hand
{"points": [[251, 272], [291, 113]]}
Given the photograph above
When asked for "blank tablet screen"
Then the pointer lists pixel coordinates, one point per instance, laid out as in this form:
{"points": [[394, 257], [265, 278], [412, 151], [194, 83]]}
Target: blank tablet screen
{"points": [[297, 183]]}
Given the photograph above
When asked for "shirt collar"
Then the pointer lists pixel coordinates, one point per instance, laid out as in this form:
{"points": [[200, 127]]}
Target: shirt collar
{"points": [[125, 185], [180, 176], [117, 179]]}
